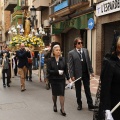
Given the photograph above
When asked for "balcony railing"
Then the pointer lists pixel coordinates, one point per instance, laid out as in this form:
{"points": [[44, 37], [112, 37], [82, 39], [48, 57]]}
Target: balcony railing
{"points": [[24, 4], [58, 6], [10, 4], [73, 2]]}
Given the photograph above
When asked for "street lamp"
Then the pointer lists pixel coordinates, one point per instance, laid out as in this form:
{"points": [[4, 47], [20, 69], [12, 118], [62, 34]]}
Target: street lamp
{"points": [[33, 15]]}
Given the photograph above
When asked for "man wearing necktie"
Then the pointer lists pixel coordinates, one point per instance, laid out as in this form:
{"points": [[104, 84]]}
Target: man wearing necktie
{"points": [[80, 66]]}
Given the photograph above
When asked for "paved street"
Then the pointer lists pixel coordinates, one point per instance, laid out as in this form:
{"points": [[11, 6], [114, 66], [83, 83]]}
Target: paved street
{"points": [[36, 103]]}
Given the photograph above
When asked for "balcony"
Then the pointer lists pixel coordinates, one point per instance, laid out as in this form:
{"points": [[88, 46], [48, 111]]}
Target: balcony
{"points": [[72, 6], [10, 4], [41, 4], [24, 4], [100, 1]]}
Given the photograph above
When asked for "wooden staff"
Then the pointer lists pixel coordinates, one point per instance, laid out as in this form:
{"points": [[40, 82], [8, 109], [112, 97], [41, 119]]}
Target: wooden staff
{"points": [[39, 67], [12, 74], [115, 107]]}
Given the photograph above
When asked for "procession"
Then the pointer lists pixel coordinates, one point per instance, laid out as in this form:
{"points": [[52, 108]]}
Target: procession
{"points": [[59, 59]]}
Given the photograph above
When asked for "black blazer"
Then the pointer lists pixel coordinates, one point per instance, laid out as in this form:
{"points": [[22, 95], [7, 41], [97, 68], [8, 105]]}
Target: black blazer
{"points": [[52, 69], [110, 85], [22, 58]]}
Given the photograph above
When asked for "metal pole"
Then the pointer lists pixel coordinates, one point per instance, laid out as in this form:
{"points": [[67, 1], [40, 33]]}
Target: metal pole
{"points": [[40, 66], [91, 46]]}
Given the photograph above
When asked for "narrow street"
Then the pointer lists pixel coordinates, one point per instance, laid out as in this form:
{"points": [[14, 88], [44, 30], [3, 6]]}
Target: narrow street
{"points": [[36, 103]]}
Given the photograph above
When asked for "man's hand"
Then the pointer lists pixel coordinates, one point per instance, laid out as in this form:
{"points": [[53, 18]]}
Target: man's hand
{"points": [[92, 74], [73, 78]]}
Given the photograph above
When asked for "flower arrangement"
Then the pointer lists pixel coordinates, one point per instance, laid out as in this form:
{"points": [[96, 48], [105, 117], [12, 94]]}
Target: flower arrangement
{"points": [[29, 41]]}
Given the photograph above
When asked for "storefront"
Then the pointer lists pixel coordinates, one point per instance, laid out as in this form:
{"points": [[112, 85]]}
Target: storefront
{"points": [[70, 29], [108, 22]]}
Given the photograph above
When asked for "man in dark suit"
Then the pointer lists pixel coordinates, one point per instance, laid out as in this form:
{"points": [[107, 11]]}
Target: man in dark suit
{"points": [[22, 56], [80, 66]]}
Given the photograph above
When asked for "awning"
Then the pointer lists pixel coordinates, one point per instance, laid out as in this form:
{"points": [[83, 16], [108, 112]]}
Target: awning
{"points": [[80, 22]]}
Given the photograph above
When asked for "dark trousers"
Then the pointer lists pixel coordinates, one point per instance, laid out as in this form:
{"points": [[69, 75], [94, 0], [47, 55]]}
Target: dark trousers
{"points": [[29, 72], [6, 71], [15, 70], [86, 84]]}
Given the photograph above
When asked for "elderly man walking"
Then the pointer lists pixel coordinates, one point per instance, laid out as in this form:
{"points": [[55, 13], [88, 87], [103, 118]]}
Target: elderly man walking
{"points": [[23, 55]]}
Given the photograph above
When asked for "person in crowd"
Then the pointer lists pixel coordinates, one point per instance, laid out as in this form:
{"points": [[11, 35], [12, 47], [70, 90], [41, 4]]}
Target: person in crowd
{"points": [[57, 70], [5, 69], [36, 60], [29, 70], [15, 64], [108, 95], [7, 51], [47, 55], [114, 41], [41, 63], [22, 55], [80, 66]]}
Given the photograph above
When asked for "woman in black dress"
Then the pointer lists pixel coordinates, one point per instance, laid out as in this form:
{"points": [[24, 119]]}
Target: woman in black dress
{"points": [[57, 70], [108, 95]]}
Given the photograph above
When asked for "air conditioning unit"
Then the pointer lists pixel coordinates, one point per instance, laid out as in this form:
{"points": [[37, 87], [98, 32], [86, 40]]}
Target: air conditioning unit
{"points": [[46, 23]]}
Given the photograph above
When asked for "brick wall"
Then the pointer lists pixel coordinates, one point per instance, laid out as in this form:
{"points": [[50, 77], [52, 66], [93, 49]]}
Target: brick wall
{"points": [[7, 20]]}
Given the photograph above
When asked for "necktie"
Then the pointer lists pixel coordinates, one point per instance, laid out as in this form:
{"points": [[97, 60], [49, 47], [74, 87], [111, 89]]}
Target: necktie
{"points": [[80, 55]]}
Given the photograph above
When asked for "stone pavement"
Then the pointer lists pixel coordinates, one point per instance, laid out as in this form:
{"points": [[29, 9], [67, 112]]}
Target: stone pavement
{"points": [[36, 102], [93, 82]]}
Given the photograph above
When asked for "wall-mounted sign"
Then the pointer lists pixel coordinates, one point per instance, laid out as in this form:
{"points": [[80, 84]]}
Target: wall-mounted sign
{"points": [[90, 23], [107, 7]]}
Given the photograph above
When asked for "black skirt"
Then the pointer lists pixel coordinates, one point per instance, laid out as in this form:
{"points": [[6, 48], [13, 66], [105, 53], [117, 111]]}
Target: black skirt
{"points": [[58, 87]]}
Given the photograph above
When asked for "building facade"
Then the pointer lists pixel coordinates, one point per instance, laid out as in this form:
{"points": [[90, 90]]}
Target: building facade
{"points": [[42, 7], [69, 19], [108, 23]]}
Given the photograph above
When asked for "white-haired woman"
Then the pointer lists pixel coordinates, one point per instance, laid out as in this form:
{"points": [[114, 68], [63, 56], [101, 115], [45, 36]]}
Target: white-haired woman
{"points": [[57, 70]]}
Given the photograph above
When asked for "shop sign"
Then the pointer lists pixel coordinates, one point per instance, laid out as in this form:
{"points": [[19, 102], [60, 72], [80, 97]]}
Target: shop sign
{"points": [[107, 7]]}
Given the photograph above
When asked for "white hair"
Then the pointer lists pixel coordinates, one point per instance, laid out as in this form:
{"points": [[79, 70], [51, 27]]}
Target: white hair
{"points": [[55, 46]]}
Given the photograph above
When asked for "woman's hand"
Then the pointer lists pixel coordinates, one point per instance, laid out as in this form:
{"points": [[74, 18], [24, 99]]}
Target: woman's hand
{"points": [[60, 72], [108, 115]]}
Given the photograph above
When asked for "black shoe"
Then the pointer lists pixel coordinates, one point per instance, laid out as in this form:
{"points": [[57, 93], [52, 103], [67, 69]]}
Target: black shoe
{"points": [[22, 90], [79, 107], [48, 86], [62, 113], [91, 107], [8, 85], [30, 80], [4, 85], [54, 108]]}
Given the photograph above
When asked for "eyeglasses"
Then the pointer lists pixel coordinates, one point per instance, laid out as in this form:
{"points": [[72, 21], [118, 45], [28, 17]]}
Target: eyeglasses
{"points": [[80, 43]]}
